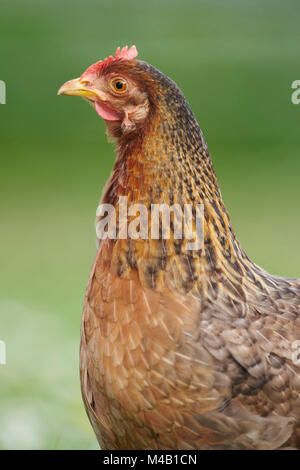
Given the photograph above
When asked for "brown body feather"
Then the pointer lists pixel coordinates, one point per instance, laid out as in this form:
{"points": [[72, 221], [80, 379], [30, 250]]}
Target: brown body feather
{"points": [[185, 350]]}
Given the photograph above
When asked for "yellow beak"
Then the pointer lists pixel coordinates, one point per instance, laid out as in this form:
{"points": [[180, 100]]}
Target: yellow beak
{"points": [[79, 87]]}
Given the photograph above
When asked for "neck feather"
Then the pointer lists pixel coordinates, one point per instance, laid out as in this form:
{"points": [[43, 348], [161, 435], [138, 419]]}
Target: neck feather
{"points": [[168, 162]]}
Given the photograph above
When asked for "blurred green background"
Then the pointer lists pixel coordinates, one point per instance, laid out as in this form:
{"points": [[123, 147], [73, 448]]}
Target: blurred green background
{"points": [[235, 61]]}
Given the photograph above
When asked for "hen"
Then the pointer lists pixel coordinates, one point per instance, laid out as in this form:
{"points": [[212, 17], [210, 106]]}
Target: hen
{"points": [[180, 348]]}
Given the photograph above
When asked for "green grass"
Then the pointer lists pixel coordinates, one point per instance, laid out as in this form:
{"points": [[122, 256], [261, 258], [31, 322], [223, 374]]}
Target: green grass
{"points": [[235, 62]]}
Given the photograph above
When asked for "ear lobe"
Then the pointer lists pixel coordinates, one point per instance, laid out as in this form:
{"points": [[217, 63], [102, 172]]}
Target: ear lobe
{"points": [[135, 115]]}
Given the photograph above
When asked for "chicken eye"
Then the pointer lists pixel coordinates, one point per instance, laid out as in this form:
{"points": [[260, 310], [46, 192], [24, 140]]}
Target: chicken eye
{"points": [[119, 85]]}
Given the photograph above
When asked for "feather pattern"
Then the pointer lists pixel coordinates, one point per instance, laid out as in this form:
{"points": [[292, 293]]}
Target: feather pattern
{"points": [[184, 350]]}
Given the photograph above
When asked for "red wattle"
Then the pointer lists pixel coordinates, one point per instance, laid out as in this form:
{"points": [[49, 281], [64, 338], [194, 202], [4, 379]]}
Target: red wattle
{"points": [[106, 112]]}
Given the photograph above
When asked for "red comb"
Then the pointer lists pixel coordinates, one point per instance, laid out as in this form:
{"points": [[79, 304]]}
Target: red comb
{"points": [[121, 54]]}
